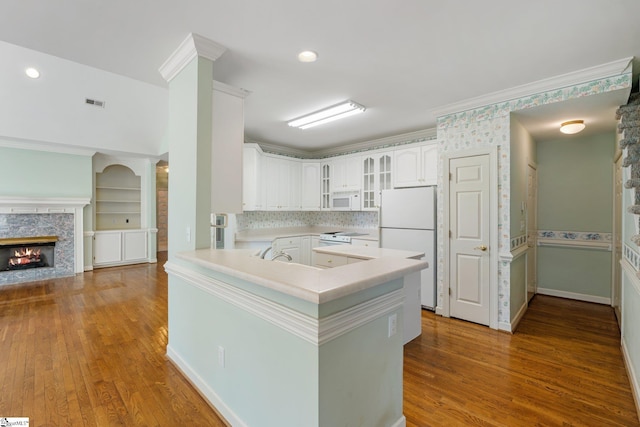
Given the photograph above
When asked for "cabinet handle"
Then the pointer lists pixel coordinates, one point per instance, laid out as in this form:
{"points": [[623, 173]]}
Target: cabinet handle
{"points": [[329, 261]]}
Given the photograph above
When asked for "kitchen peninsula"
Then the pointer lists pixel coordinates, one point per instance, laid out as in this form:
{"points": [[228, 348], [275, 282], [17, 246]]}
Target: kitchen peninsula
{"points": [[308, 346]]}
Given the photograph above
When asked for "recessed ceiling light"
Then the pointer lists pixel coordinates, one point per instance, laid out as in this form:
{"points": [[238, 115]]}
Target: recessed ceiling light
{"points": [[307, 56], [572, 126], [32, 72]]}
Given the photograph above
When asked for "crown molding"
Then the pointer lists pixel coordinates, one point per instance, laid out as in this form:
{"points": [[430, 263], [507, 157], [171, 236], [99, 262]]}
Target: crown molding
{"points": [[194, 45], [223, 87], [50, 147], [553, 83], [405, 138]]}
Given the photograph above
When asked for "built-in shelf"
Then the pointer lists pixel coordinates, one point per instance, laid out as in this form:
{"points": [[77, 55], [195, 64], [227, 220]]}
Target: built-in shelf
{"points": [[118, 201]]}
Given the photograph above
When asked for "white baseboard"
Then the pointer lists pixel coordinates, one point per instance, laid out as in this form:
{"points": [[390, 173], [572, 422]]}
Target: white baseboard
{"points": [[504, 326], [439, 310], [633, 378], [88, 268], [516, 320], [572, 295], [204, 389], [402, 422]]}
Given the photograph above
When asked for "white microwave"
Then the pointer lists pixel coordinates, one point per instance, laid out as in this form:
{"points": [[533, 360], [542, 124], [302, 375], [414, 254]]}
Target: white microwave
{"points": [[345, 201]]}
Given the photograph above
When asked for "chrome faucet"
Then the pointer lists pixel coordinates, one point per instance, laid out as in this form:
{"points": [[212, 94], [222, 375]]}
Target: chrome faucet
{"points": [[264, 252], [281, 254]]}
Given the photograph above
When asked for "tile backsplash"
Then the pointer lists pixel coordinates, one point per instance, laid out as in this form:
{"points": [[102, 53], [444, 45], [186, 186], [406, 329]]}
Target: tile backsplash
{"points": [[265, 219]]}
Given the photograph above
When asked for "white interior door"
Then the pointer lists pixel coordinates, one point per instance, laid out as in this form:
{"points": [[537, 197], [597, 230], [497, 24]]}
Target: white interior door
{"points": [[469, 221], [616, 292], [532, 231]]}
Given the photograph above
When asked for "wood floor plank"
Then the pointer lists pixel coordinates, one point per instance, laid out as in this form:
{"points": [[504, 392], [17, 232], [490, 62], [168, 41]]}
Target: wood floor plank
{"points": [[90, 351]]}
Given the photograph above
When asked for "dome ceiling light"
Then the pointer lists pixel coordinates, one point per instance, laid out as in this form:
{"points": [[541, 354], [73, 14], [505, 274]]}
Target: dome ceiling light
{"points": [[32, 73], [572, 126], [307, 56]]}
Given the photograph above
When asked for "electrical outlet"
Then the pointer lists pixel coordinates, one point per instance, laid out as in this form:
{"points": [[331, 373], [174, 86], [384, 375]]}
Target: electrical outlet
{"points": [[393, 325], [221, 361]]}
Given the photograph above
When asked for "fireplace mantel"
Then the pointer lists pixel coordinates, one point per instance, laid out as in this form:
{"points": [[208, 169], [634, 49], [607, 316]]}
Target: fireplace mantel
{"points": [[51, 205]]}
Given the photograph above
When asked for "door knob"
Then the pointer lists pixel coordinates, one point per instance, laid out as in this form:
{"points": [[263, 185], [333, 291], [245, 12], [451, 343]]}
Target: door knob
{"points": [[481, 247]]}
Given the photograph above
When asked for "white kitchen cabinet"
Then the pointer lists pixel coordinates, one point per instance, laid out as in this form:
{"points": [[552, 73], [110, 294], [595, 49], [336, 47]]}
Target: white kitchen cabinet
{"points": [[279, 172], [119, 247], [252, 178], [288, 245], [227, 141], [315, 242], [376, 176], [364, 242], [346, 173], [305, 250], [416, 166], [311, 186], [295, 185], [325, 186]]}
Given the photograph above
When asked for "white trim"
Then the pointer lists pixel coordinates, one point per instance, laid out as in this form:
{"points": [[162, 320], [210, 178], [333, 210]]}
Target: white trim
{"points": [[504, 326], [492, 152], [426, 135], [516, 320], [633, 378], [49, 147], [573, 295], [89, 233], [194, 45], [581, 244], [225, 88], [311, 329], [564, 80], [49, 205], [402, 422], [204, 389], [515, 254]]}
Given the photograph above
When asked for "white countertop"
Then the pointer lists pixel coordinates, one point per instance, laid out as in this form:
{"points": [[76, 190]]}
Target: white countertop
{"points": [[368, 253], [269, 234], [302, 281]]}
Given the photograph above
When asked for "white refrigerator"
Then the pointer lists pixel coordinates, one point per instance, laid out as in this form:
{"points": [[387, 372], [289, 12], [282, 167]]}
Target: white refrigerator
{"points": [[408, 221]]}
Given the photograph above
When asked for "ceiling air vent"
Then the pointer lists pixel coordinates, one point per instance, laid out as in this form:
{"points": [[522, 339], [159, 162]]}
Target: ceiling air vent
{"points": [[94, 102]]}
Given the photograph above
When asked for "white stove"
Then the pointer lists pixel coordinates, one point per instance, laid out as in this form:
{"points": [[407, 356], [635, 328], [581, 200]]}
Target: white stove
{"points": [[337, 238]]}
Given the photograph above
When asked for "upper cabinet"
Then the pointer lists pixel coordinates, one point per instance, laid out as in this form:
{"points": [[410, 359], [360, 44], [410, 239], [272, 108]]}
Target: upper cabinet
{"points": [[376, 176], [416, 166], [253, 195], [310, 182], [227, 142], [276, 182], [346, 173]]}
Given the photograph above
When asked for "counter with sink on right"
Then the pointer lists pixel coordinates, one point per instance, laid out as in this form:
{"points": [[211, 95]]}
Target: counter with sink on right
{"points": [[339, 255]]}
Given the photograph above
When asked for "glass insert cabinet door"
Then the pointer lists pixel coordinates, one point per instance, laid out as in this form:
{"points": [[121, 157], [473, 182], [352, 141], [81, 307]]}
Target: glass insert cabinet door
{"points": [[376, 176]]}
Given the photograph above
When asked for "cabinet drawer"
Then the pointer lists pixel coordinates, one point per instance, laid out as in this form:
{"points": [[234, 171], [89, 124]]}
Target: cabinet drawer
{"points": [[326, 260], [354, 260]]}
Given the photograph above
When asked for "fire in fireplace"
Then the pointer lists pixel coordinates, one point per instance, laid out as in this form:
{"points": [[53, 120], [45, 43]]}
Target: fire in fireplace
{"points": [[28, 252]]}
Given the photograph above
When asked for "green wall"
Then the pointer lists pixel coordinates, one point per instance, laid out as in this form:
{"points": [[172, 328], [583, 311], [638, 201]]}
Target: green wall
{"points": [[30, 173], [575, 183], [575, 193]]}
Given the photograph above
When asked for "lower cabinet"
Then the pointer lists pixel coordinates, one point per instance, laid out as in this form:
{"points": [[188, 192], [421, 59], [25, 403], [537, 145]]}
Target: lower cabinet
{"points": [[287, 245], [118, 247]]}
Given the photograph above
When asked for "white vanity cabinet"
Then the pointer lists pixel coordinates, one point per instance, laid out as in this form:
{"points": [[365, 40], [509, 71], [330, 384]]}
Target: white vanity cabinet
{"points": [[416, 166]]}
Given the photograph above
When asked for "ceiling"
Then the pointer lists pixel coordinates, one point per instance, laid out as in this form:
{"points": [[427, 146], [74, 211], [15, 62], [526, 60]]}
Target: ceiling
{"points": [[400, 59]]}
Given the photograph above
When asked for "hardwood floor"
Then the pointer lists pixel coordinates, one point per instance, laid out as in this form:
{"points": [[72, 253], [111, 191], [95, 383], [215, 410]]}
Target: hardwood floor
{"points": [[562, 367], [90, 351]]}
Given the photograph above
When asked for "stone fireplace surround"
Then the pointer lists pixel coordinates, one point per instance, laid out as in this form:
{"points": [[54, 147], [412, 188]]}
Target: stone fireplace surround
{"points": [[29, 217]]}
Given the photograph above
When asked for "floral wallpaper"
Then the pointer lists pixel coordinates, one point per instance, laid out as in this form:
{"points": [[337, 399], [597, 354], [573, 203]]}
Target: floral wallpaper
{"points": [[489, 126], [279, 219]]}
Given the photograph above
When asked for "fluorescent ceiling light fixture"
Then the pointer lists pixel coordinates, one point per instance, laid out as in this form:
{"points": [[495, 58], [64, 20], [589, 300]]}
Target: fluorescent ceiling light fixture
{"points": [[307, 56], [572, 126], [32, 72], [339, 111]]}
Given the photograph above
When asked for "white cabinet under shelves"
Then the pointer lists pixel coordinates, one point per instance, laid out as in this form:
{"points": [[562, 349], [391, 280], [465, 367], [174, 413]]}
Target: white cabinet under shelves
{"points": [[117, 247], [416, 166]]}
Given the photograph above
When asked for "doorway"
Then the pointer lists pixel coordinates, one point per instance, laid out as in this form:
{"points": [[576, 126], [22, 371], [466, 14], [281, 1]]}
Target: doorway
{"points": [[532, 230]]}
